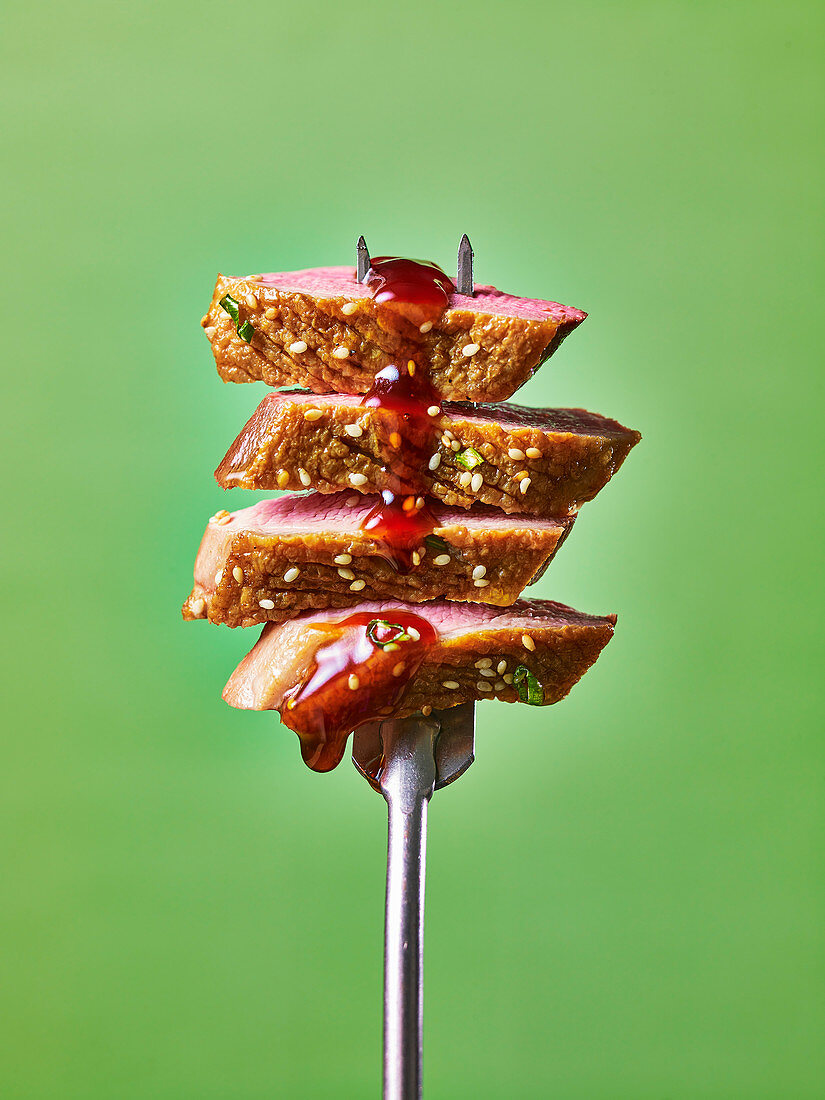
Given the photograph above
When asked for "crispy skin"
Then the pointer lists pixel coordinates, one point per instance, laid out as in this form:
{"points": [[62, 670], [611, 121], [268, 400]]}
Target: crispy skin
{"points": [[567, 643], [514, 335], [580, 452], [308, 532]]}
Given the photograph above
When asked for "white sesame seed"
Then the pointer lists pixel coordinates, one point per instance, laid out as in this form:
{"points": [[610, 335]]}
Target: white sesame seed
{"points": [[482, 685], [455, 445], [198, 606], [499, 685], [358, 479], [533, 452], [353, 682], [271, 313], [448, 435], [516, 454], [283, 479], [413, 633], [450, 684], [484, 662], [465, 479], [356, 586], [425, 327], [435, 461], [442, 559], [476, 482], [218, 577], [251, 301], [481, 584], [342, 559], [419, 503], [355, 430], [488, 672], [347, 574], [528, 642], [507, 678], [433, 410], [340, 352], [391, 647], [399, 669], [469, 349], [501, 667], [267, 605], [416, 560], [525, 485], [521, 475], [298, 347], [304, 476], [292, 574], [348, 308], [313, 414], [210, 331], [237, 573], [427, 710], [479, 572]]}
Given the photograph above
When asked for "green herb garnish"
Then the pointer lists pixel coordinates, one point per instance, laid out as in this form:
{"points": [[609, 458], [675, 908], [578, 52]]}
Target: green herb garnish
{"points": [[230, 306], [528, 688], [397, 633], [436, 544], [469, 458]]}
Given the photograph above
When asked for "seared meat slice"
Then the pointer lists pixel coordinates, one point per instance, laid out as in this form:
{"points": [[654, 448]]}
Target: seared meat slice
{"points": [[543, 462], [322, 329], [280, 557], [478, 653]]}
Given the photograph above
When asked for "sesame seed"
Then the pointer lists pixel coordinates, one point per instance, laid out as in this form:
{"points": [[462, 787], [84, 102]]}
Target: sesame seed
{"points": [[237, 573], [533, 452], [340, 352], [455, 445], [353, 682], [450, 684], [399, 669], [528, 642], [251, 301], [283, 479], [435, 461], [433, 410], [347, 574], [356, 586], [267, 605], [271, 313], [521, 475], [419, 503], [507, 677], [413, 633], [416, 560], [426, 327], [348, 308], [484, 662], [408, 504], [516, 454], [342, 559], [525, 485], [298, 347], [501, 667], [395, 440], [351, 501], [391, 647], [304, 476], [465, 479], [499, 685], [313, 414], [210, 331], [218, 577], [442, 559], [292, 574], [476, 482], [355, 430], [488, 672], [482, 685], [479, 572], [481, 584], [469, 349], [410, 368], [198, 606], [427, 710], [358, 479], [448, 435]]}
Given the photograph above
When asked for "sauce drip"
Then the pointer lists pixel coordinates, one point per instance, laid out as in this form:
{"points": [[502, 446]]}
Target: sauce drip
{"points": [[360, 672], [397, 281]]}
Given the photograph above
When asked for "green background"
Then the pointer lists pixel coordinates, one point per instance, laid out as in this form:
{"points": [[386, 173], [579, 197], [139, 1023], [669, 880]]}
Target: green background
{"points": [[625, 895]]}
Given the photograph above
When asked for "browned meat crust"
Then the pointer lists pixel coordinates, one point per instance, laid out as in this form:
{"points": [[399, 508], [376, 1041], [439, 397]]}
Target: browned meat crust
{"points": [[280, 557], [298, 332], [565, 456]]}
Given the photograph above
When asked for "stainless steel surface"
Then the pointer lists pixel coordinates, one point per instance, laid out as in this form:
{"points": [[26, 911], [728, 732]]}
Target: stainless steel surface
{"points": [[464, 279], [407, 760]]}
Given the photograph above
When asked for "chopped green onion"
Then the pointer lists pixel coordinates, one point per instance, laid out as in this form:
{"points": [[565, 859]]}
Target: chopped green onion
{"points": [[399, 635], [436, 544], [469, 458], [246, 330], [528, 688]]}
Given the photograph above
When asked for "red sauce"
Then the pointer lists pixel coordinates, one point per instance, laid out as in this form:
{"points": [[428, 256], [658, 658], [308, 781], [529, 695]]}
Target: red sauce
{"points": [[417, 283], [328, 705]]}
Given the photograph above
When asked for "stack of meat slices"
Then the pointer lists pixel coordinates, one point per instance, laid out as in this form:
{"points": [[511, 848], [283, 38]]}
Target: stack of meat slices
{"points": [[393, 585]]}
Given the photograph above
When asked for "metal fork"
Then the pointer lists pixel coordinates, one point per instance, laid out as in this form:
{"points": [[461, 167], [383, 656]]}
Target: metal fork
{"points": [[407, 760]]}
